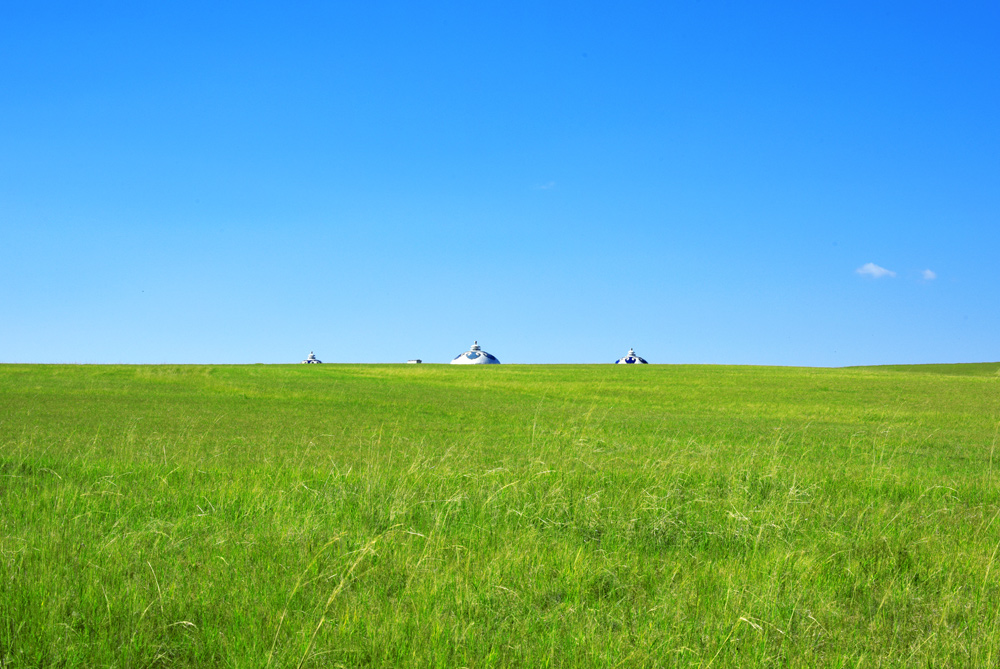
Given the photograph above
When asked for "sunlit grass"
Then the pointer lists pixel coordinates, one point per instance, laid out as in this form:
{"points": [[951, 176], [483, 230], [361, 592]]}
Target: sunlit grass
{"points": [[503, 516]]}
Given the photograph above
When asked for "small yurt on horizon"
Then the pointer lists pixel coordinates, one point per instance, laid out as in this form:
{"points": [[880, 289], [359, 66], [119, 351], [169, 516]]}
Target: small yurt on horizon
{"points": [[631, 359], [475, 356]]}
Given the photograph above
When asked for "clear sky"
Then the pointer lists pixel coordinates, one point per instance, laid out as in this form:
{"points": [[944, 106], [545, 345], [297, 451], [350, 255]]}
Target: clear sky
{"points": [[789, 183]]}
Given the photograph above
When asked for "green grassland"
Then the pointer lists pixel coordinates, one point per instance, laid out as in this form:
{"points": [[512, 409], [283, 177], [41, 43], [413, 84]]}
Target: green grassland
{"points": [[530, 516]]}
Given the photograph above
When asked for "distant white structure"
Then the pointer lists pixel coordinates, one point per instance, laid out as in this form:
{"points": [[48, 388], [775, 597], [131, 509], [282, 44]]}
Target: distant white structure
{"points": [[475, 356], [631, 359], [311, 360], [415, 361]]}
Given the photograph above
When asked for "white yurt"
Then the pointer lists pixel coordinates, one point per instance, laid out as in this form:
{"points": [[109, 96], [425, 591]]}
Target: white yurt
{"points": [[631, 359], [311, 360], [475, 356]]}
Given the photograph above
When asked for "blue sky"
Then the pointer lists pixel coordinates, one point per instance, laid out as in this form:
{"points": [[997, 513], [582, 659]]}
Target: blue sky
{"points": [[701, 181]]}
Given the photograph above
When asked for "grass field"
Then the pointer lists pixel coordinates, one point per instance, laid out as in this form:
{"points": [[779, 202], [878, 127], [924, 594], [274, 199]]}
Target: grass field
{"points": [[530, 516]]}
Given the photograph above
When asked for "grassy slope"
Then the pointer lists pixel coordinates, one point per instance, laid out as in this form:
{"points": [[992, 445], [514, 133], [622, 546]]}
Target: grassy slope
{"points": [[513, 515]]}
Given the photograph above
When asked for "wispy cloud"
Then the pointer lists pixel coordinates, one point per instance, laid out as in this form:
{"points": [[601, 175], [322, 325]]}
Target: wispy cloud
{"points": [[874, 271], [929, 275], [546, 186]]}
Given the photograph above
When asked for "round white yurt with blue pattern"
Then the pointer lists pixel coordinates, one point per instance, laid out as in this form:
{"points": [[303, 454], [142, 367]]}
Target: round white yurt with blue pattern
{"points": [[475, 356], [631, 359]]}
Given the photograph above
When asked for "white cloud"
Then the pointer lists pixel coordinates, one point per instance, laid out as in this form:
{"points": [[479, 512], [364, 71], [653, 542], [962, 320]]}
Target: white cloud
{"points": [[929, 275], [546, 186], [874, 270]]}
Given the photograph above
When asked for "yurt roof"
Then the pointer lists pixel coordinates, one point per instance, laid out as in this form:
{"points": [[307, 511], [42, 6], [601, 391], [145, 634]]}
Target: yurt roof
{"points": [[475, 356], [630, 359]]}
